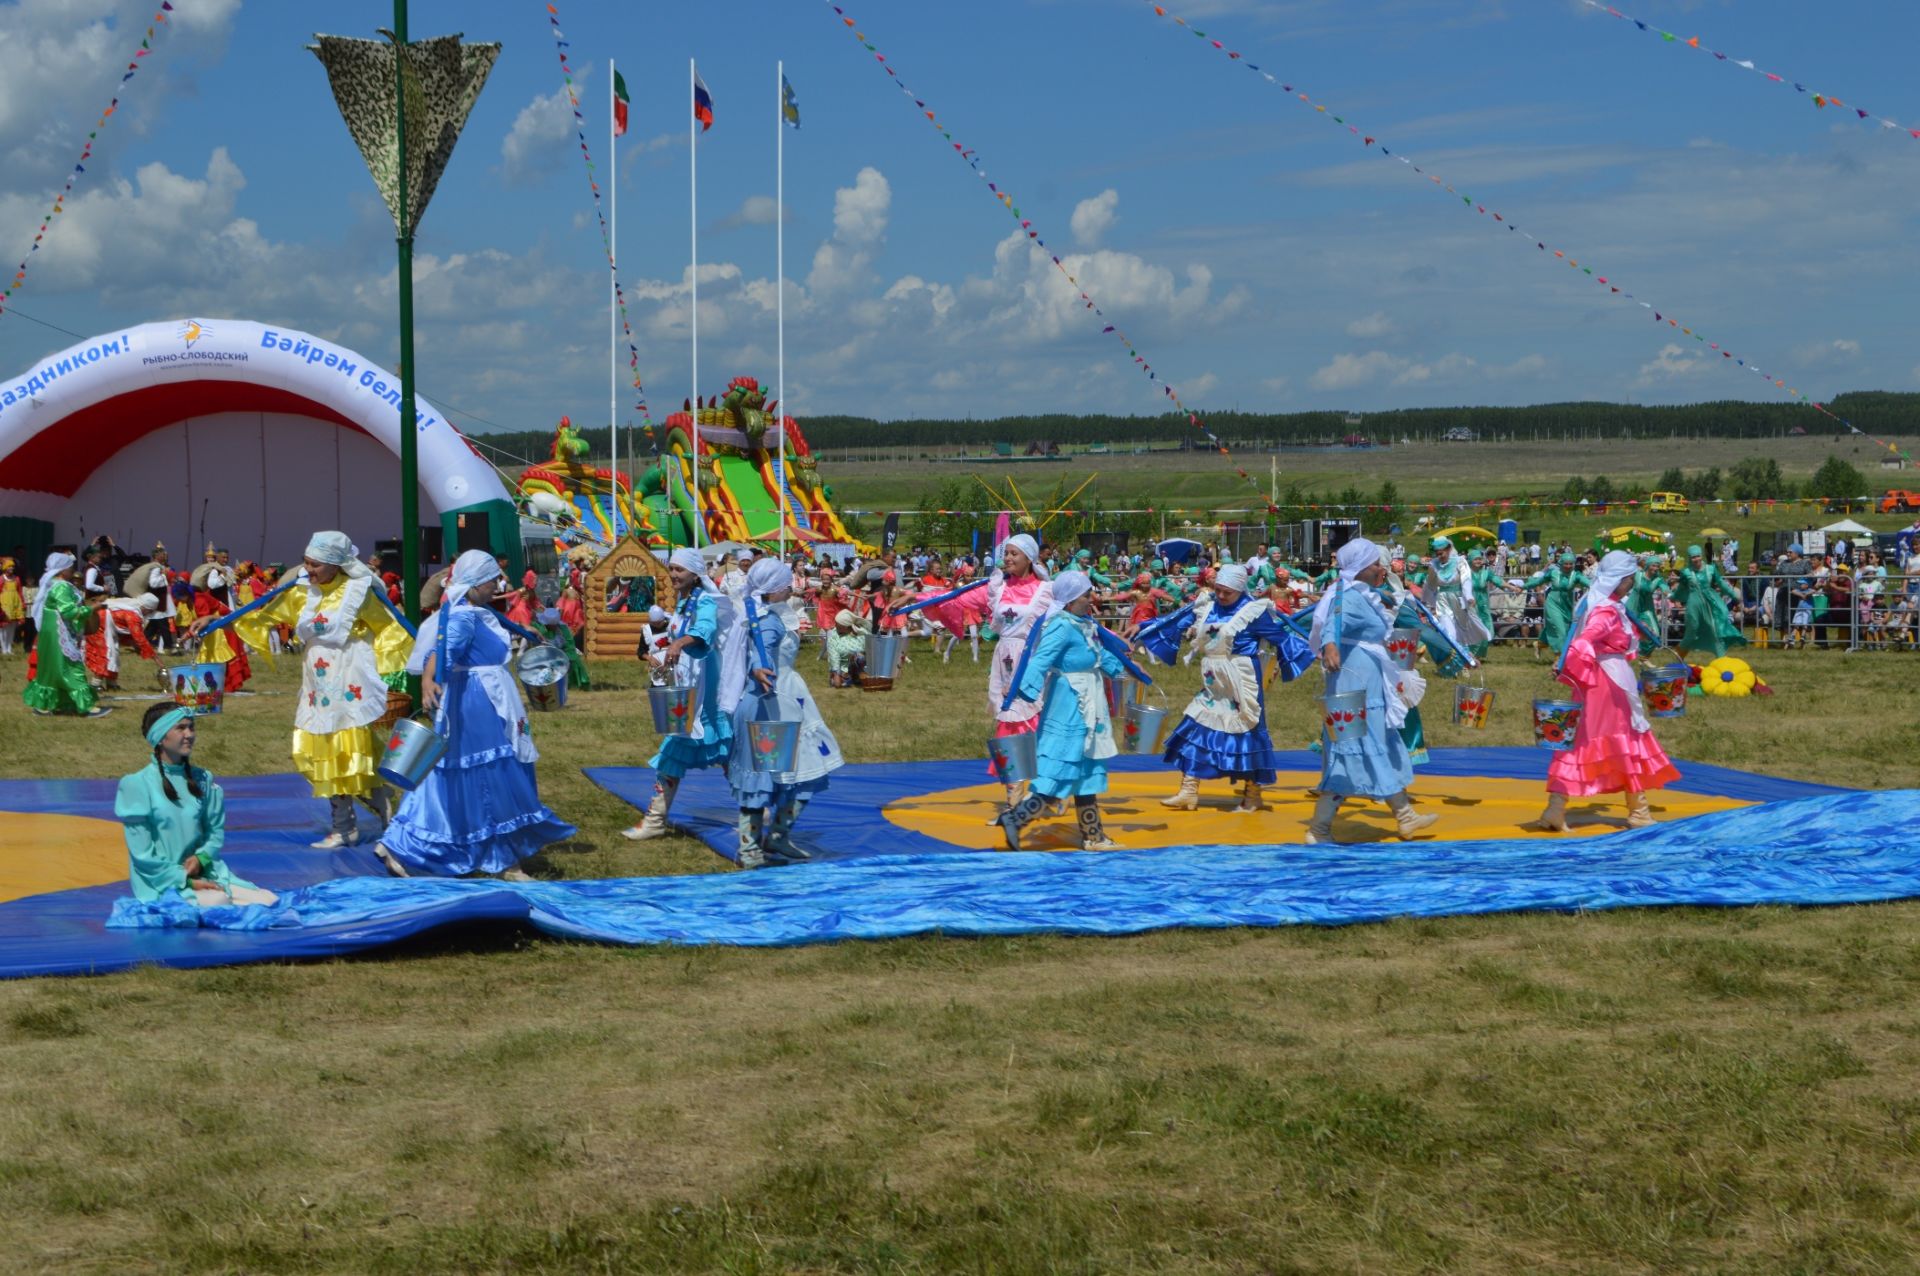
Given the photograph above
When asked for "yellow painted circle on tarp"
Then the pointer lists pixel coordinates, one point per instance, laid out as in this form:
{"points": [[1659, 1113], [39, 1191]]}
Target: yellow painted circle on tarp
{"points": [[1471, 808], [43, 853]]}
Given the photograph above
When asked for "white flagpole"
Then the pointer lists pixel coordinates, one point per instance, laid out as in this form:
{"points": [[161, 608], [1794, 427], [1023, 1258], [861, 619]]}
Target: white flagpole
{"points": [[613, 297], [780, 284], [693, 278]]}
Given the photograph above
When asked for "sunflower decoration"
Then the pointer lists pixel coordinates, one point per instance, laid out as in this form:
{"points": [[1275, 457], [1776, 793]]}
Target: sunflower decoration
{"points": [[1729, 676]]}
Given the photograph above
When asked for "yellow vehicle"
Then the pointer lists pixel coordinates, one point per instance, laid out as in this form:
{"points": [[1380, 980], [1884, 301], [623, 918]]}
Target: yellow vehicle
{"points": [[1667, 503]]}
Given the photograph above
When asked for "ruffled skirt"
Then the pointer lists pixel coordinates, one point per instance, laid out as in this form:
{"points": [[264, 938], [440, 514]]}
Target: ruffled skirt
{"points": [[1619, 762], [473, 819], [680, 754], [1207, 753], [339, 763]]}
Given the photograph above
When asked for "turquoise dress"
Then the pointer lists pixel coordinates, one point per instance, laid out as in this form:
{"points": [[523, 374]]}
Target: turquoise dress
{"points": [[817, 755], [1069, 652], [1374, 763], [697, 616], [161, 833]]}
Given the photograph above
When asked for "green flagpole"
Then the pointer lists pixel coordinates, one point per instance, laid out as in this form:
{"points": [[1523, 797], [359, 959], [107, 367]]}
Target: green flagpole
{"points": [[409, 416]]}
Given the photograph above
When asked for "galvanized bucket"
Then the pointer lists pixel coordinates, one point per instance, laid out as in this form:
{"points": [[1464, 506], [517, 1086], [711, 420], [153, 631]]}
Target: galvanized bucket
{"points": [[1403, 646], [675, 709], [543, 671], [1142, 723], [1015, 757], [1345, 715], [413, 750], [884, 653], [772, 743], [1471, 705], [1555, 724]]}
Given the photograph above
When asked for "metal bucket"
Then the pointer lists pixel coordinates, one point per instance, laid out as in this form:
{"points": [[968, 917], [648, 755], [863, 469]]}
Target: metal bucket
{"points": [[772, 743], [1015, 757], [1471, 705], [1345, 714], [1403, 645], [1555, 723], [543, 671], [1664, 688], [413, 750], [884, 653], [199, 689], [1140, 731], [675, 709]]}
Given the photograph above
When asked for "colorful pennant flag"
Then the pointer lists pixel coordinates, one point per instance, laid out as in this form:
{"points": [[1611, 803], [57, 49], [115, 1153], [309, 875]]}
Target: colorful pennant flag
{"points": [[1614, 289], [702, 103], [86, 153], [599, 211], [1005, 198], [1820, 100], [619, 105], [789, 104]]}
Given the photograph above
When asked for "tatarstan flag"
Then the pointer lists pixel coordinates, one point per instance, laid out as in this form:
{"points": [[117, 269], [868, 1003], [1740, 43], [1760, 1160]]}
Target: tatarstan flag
{"points": [[619, 105]]}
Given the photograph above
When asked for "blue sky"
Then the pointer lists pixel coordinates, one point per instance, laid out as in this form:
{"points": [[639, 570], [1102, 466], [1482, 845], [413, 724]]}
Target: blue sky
{"points": [[1258, 254]]}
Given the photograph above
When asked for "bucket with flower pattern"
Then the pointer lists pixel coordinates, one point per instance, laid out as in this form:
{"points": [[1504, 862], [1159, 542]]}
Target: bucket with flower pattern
{"points": [[772, 743], [1663, 684], [1554, 723], [1344, 715], [675, 709], [1141, 724], [1403, 647], [1471, 705]]}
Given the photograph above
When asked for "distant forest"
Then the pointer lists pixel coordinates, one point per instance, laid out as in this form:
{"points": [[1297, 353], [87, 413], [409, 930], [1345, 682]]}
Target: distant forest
{"points": [[1873, 411]]}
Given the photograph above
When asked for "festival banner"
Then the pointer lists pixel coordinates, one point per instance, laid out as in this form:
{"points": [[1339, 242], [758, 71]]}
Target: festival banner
{"points": [[1371, 141], [86, 151], [561, 45], [1819, 100], [1005, 198]]}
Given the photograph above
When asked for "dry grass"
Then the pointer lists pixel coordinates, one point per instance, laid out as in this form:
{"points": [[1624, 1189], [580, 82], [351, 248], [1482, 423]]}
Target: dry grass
{"points": [[1653, 1090]]}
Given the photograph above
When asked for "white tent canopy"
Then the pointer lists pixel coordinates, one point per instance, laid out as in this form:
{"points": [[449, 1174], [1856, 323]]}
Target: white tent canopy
{"points": [[1847, 527]]}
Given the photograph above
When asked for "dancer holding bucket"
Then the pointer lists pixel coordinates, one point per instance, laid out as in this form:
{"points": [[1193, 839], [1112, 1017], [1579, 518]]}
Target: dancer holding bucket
{"points": [[1613, 749], [479, 810], [1019, 597], [705, 654], [1364, 753], [777, 714], [1075, 734], [1224, 730]]}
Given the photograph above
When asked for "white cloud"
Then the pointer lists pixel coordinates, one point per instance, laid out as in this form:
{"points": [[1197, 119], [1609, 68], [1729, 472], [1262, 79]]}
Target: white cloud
{"points": [[860, 210], [1276, 386], [1348, 371], [1837, 353], [754, 210], [1674, 363], [1199, 387], [1371, 327], [536, 146], [1093, 218]]}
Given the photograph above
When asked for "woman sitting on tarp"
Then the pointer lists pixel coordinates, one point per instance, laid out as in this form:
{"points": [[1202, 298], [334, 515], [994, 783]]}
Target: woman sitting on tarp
{"points": [[174, 819], [1224, 730], [1613, 746], [706, 640], [1075, 736], [479, 809], [1350, 631]]}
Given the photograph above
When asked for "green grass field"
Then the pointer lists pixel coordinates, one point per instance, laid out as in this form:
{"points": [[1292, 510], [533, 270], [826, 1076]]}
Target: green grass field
{"points": [[1689, 1089]]}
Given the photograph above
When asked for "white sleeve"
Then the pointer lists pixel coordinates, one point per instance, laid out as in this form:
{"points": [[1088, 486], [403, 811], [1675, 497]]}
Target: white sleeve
{"points": [[423, 645]]}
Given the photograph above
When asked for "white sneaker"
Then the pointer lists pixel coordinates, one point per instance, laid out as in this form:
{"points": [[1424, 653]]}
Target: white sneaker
{"points": [[516, 874], [331, 842]]}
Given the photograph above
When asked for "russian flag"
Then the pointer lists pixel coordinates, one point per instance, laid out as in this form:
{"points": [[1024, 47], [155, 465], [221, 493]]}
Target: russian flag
{"points": [[702, 103]]}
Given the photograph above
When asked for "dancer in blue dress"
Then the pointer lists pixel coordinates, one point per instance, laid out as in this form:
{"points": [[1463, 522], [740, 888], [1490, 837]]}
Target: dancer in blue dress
{"points": [[770, 802], [706, 649], [1351, 633], [1224, 731], [479, 809], [1076, 731]]}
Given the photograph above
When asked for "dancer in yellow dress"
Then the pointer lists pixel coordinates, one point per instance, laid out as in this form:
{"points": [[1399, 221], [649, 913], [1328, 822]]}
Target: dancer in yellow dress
{"points": [[354, 648]]}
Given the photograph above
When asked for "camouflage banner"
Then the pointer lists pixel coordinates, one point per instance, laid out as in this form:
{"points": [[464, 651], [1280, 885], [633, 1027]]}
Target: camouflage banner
{"points": [[443, 80]]}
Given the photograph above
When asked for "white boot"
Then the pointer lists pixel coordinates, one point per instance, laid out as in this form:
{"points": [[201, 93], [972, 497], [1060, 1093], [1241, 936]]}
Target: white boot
{"points": [[654, 824], [1409, 820], [1250, 799], [1639, 814], [1320, 828], [1554, 818], [751, 853], [1187, 799]]}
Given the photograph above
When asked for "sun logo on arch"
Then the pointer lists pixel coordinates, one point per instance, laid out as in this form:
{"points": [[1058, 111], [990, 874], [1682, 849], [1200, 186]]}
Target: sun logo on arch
{"points": [[191, 331]]}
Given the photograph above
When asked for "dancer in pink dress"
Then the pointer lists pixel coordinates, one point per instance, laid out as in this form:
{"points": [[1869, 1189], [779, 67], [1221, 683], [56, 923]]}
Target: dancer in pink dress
{"points": [[1018, 597], [1613, 747]]}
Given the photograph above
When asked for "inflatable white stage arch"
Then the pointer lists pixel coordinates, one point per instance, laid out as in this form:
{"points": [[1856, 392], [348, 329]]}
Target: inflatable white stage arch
{"points": [[229, 431]]}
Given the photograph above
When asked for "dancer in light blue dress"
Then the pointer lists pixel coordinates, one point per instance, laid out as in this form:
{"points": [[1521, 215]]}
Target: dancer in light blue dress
{"points": [[1350, 629], [1076, 730], [706, 648], [770, 802], [479, 809]]}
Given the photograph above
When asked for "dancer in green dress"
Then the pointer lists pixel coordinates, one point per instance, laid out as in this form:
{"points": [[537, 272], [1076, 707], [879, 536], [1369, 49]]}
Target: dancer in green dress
{"points": [[1564, 586], [1484, 583], [1705, 594], [61, 620]]}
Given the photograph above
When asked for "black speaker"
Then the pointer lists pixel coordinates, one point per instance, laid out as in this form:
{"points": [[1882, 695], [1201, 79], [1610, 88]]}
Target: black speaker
{"points": [[432, 539], [475, 531]]}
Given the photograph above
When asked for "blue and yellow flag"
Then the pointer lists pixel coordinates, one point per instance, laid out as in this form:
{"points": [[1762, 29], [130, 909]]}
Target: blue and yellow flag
{"points": [[789, 104]]}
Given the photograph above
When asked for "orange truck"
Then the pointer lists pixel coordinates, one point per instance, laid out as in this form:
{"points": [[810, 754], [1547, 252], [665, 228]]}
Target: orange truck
{"points": [[1900, 501]]}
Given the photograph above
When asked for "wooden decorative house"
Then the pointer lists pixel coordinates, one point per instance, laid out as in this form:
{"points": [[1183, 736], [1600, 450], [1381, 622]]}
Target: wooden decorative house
{"points": [[616, 634]]}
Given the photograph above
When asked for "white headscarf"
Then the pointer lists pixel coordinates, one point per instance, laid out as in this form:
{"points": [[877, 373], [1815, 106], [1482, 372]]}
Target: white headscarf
{"points": [[56, 563], [1233, 576], [1031, 548], [1068, 586], [337, 548], [474, 567], [689, 560], [1355, 557], [1617, 566], [768, 576], [730, 647]]}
